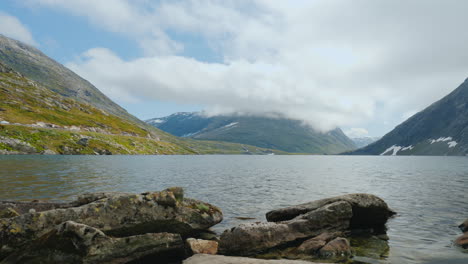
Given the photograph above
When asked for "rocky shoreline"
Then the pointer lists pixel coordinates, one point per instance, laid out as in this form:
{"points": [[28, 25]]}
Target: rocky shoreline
{"points": [[166, 227]]}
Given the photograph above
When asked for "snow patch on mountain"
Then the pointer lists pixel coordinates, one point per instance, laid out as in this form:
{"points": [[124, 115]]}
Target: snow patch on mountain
{"points": [[230, 125], [441, 139], [395, 149]]}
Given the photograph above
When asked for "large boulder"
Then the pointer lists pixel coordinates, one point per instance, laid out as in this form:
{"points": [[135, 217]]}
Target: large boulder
{"points": [[118, 215], [367, 210], [71, 242], [292, 225], [219, 259], [253, 238]]}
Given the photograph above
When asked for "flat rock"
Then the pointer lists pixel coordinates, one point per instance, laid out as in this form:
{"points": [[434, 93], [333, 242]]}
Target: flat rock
{"points": [[219, 259], [71, 242], [25, 207]]}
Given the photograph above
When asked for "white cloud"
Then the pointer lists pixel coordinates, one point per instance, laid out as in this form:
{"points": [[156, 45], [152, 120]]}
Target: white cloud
{"points": [[11, 27], [356, 132], [331, 63]]}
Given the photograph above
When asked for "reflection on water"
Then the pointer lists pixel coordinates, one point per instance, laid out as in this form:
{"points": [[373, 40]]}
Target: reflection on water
{"points": [[427, 192]]}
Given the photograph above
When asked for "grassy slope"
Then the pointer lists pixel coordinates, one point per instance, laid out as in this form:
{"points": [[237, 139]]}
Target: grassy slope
{"points": [[25, 102]]}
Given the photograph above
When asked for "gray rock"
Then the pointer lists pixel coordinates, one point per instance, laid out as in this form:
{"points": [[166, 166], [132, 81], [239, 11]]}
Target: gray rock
{"points": [[125, 215], [294, 224], [313, 245], [83, 142], [219, 259], [71, 242], [254, 238], [368, 210], [20, 147]]}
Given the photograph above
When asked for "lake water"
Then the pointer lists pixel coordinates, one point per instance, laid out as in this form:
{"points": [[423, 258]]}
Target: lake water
{"points": [[429, 193]]}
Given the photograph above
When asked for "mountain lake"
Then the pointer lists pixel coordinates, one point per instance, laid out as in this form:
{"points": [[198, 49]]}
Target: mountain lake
{"points": [[428, 193]]}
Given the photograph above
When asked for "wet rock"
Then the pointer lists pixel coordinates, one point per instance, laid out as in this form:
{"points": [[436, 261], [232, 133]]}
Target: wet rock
{"points": [[368, 210], [338, 247], [288, 227], [375, 247], [199, 246], [253, 238], [462, 241], [219, 259], [464, 226], [119, 215], [71, 242]]}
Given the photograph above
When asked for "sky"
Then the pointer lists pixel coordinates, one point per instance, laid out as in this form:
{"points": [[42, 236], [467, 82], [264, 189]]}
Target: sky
{"points": [[362, 65]]}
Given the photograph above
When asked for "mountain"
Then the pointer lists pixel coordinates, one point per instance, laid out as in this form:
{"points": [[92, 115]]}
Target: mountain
{"points": [[46, 108], [361, 142], [273, 133], [440, 129]]}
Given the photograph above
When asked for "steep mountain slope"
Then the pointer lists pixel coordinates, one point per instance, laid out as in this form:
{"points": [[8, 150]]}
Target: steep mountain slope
{"points": [[274, 133], [35, 65], [440, 129], [34, 119]]}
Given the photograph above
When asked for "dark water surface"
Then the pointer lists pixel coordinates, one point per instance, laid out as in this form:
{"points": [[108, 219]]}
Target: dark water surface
{"points": [[429, 193]]}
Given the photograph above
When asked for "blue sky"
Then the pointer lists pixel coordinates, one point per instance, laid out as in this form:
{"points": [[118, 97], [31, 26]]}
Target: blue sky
{"points": [[365, 70]]}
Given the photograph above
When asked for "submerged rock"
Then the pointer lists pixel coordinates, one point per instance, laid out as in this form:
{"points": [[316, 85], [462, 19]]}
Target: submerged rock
{"points": [[338, 247], [71, 242], [219, 259], [109, 215], [310, 231]]}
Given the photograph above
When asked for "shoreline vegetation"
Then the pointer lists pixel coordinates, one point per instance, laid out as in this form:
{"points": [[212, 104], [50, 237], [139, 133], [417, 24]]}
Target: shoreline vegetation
{"points": [[167, 226]]}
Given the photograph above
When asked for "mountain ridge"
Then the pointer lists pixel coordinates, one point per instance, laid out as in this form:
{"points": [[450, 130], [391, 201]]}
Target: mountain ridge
{"points": [[439, 129], [269, 132]]}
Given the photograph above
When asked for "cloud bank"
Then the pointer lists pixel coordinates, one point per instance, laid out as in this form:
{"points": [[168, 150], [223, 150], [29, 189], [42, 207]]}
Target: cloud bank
{"points": [[11, 27], [329, 63]]}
